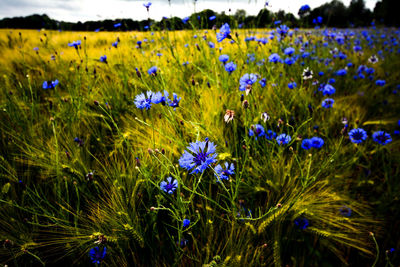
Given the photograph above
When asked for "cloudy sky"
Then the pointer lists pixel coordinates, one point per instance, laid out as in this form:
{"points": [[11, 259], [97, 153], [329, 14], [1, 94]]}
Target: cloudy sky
{"points": [[83, 10]]}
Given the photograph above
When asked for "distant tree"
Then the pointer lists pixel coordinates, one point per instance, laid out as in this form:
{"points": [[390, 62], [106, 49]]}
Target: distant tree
{"points": [[386, 12], [264, 18]]}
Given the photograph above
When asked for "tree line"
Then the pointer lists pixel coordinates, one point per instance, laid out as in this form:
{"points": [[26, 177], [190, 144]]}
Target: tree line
{"points": [[331, 14]]}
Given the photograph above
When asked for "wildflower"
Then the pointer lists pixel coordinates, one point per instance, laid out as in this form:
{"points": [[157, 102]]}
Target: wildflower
{"points": [[230, 67], [265, 117], [201, 154], [152, 71], [270, 135], [283, 139], [223, 58], [341, 72], [380, 82], [224, 32], [292, 85], [75, 44], [289, 51], [373, 59], [263, 82], [169, 186], [186, 223], [357, 135], [97, 255], [301, 223], [221, 173], [247, 79], [185, 20], [147, 5], [144, 101], [50, 84], [317, 142], [274, 58], [328, 90], [289, 61], [212, 18], [211, 44], [115, 44], [305, 8], [307, 74], [256, 130], [306, 144], [116, 25], [382, 137], [89, 176], [229, 115], [282, 30], [345, 211], [103, 59], [175, 101], [327, 103]]}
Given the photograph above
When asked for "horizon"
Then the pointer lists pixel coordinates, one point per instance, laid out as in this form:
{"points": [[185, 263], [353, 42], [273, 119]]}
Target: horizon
{"points": [[75, 10]]}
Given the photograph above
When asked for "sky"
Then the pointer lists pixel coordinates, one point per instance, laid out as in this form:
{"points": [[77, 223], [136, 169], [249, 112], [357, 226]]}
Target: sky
{"points": [[84, 10]]}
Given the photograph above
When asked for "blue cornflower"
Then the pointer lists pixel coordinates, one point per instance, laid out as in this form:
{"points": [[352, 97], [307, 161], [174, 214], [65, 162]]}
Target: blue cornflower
{"points": [[185, 20], [341, 72], [212, 18], [263, 82], [345, 211], [380, 82], [327, 103], [247, 79], [221, 173], [358, 135], [152, 71], [382, 137], [328, 90], [283, 139], [50, 84], [201, 154], [306, 144], [103, 59], [223, 58], [116, 25], [115, 44], [97, 255], [289, 51], [277, 22], [292, 85], [75, 44], [274, 58], [317, 142], [175, 101], [224, 32], [257, 131], [289, 61], [305, 8], [301, 223], [211, 44], [186, 223], [282, 30], [230, 67], [143, 101], [147, 5], [169, 186], [270, 135]]}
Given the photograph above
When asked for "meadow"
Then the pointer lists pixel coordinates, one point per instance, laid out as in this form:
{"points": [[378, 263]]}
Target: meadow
{"points": [[226, 147]]}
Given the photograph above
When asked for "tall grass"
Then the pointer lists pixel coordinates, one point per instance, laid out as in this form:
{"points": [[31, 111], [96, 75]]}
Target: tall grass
{"points": [[60, 198]]}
